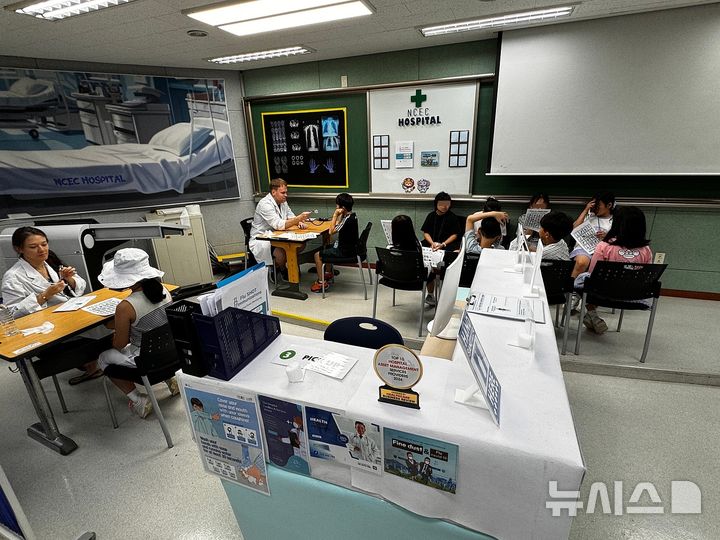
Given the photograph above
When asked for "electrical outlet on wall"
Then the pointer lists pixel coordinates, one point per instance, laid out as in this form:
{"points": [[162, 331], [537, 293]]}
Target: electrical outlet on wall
{"points": [[659, 258], [343, 81]]}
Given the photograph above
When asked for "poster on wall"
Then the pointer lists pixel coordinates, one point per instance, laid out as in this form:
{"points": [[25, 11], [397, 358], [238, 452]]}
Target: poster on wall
{"points": [[72, 141], [307, 148], [226, 426], [429, 116]]}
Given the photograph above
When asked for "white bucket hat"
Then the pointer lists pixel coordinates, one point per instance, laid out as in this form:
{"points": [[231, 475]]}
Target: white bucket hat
{"points": [[128, 267]]}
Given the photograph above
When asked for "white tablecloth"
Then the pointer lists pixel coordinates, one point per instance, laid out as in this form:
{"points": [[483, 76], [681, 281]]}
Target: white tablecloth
{"points": [[503, 473]]}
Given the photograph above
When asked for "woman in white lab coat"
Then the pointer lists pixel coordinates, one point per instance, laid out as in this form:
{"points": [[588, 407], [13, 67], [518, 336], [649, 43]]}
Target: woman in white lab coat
{"points": [[32, 283], [39, 280]]}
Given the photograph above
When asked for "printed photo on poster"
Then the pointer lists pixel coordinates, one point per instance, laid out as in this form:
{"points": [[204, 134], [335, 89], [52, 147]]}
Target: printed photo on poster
{"points": [[430, 158], [348, 441], [227, 432], [285, 434], [421, 459], [307, 148], [75, 141]]}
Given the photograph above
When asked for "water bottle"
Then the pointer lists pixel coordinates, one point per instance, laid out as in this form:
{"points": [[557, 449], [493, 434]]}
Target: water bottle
{"points": [[7, 322]]}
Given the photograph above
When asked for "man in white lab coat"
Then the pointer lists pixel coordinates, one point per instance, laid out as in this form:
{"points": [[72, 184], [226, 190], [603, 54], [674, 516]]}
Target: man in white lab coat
{"points": [[273, 214]]}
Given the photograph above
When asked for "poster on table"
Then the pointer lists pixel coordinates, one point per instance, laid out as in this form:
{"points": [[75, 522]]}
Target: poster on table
{"points": [[421, 459], [226, 426], [344, 440], [80, 141], [307, 148], [285, 434], [438, 120]]}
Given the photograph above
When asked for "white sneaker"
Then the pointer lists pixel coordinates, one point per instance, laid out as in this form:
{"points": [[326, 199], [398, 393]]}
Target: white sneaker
{"points": [[430, 300], [141, 407], [575, 300], [172, 385]]}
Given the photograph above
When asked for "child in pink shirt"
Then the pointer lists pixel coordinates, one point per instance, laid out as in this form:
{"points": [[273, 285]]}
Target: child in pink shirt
{"points": [[625, 242]]}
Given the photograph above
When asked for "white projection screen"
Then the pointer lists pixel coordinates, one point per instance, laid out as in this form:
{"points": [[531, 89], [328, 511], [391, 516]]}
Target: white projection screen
{"points": [[636, 94]]}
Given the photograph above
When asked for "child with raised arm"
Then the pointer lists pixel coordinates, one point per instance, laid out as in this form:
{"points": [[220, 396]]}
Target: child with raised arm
{"points": [[486, 237], [599, 212], [345, 224]]}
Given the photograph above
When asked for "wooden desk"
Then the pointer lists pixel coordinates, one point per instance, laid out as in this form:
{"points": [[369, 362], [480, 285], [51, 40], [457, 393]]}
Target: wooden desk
{"points": [[20, 349], [292, 249]]}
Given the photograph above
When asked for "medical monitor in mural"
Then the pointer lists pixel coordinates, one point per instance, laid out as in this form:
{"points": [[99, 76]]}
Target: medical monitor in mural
{"points": [[74, 142]]}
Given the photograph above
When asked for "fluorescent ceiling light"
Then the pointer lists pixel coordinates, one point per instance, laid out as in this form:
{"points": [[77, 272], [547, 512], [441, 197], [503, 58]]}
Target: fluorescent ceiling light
{"points": [[256, 9], [298, 18], [55, 10], [512, 19], [261, 55]]}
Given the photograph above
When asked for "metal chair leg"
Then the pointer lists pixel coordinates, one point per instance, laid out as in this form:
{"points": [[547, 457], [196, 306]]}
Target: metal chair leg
{"points": [[566, 314], [622, 312], [393, 297], [375, 297], [580, 322], [60, 394], [322, 269], [422, 309], [566, 328], [369, 272], [362, 276], [651, 322], [109, 402], [157, 410], [557, 315]]}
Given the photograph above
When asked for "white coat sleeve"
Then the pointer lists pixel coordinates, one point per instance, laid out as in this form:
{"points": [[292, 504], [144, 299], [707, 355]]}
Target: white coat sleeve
{"points": [[16, 296], [270, 216], [80, 285]]}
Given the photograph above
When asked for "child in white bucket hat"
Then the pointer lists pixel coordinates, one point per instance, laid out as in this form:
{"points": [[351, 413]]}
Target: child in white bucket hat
{"points": [[140, 312]]}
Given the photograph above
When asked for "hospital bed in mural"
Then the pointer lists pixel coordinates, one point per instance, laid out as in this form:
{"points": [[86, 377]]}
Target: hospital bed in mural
{"points": [[33, 100], [172, 158]]}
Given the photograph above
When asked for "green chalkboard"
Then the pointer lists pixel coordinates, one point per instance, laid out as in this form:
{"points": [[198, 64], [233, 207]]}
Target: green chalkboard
{"points": [[356, 132], [582, 186]]}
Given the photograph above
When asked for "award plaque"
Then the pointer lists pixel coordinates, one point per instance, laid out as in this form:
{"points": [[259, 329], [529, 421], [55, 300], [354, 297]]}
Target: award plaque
{"points": [[400, 369]]}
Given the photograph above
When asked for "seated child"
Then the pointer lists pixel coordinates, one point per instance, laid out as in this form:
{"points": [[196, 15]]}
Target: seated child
{"points": [[554, 226], [487, 235], [537, 201], [345, 223], [625, 242], [599, 212], [442, 228]]}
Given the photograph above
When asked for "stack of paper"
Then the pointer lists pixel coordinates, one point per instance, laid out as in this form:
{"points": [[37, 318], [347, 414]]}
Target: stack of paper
{"points": [[246, 290], [431, 259]]}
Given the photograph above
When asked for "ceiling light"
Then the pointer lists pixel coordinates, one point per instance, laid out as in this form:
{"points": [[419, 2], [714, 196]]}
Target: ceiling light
{"points": [[512, 19], [261, 55], [55, 10], [298, 18], [254, 17], [244, 11]]}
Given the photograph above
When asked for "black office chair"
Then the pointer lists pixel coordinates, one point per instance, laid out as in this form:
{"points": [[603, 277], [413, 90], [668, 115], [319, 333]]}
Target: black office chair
{"points": [[186, 291], [246, 225], [362, 332], [359, 256], [157, 362], [558, 283], [622, 286], [402, 270]]}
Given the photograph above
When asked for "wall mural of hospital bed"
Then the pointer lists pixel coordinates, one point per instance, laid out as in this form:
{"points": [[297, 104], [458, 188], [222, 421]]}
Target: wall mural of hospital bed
{"points": [[174, 157], [35, 100]]}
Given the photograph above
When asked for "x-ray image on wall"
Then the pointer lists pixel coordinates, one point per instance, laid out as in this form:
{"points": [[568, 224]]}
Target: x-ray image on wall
{"points": [[318, 149]]}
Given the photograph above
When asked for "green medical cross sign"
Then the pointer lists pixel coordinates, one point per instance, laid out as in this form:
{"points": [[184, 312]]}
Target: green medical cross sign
{"points": [[418, 98]]}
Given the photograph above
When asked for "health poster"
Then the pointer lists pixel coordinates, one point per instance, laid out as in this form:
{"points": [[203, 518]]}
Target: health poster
{"points": [[227, 431], [285, 434], [349, 441], [421, 459]]}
